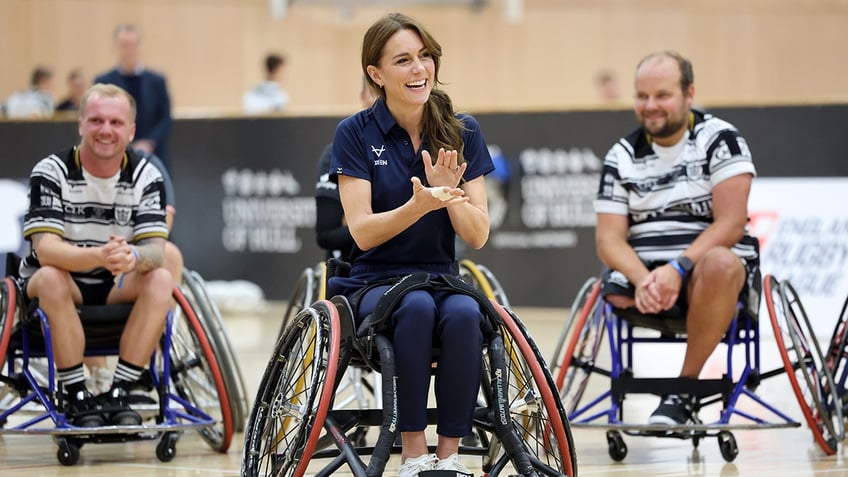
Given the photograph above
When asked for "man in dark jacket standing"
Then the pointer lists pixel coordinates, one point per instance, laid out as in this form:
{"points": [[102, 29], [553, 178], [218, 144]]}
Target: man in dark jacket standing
{"points": [[148, 88]]}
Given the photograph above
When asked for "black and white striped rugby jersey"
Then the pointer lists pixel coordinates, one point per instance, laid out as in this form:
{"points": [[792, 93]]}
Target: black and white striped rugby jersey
{"points": [[667, 197], [84, 210]]}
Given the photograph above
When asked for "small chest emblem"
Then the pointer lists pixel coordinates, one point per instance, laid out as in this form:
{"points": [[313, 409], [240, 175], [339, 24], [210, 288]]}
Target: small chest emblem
{"points": [[378, 151]]}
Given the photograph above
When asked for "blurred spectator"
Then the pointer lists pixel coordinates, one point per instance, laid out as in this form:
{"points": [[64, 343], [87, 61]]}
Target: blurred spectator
{"points": [[606, 82], [149, 89], [76, 87], [35, 101], [269, 95]]}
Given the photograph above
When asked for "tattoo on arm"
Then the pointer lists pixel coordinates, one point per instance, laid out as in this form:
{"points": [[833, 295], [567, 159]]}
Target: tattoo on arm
{"points": [[151, 254]]}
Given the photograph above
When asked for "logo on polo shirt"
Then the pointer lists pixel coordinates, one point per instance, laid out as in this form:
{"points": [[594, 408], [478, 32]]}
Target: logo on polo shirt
{"points": [[378, 151]]}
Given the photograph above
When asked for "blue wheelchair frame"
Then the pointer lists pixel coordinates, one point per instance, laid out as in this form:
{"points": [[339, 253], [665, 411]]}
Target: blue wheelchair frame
{"points": [[26, 343], [598, 318]]}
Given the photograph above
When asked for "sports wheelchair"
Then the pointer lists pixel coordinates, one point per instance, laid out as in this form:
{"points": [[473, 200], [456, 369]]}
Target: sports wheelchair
{"points": [[593, 323], [520, 424], [837, 357], [195, 290], [183, 388]]}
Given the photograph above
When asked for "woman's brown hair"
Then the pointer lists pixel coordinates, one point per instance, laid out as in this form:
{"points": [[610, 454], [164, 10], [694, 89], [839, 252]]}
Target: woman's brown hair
{"points": [[441, 128]]}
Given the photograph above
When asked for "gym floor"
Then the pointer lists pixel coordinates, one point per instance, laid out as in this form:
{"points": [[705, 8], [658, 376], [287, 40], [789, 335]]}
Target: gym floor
{"points": [[762, 452]]}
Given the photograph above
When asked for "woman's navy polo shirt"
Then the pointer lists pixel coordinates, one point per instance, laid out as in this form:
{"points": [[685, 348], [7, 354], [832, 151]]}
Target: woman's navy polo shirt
{"points": [[371, 145]]}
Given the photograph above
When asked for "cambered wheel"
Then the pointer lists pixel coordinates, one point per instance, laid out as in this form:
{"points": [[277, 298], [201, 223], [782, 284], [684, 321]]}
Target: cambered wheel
{"points": [[537, 413], [302, 296], [484, 280], [573, 314], [582, 349], [837, 357], [810, 378], [9, 308], [213, 325], [293, 399], [196, 376]]}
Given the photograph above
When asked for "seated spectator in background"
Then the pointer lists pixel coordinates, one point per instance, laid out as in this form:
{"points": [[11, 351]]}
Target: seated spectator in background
{"points": [[269, 95], [148, 88], [331, 230], [37, 100], [77, 85], [104, 243]]}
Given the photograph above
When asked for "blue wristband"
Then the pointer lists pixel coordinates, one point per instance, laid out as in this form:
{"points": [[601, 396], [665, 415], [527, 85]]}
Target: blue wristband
{"points": [[121, 277], [677, 267]]}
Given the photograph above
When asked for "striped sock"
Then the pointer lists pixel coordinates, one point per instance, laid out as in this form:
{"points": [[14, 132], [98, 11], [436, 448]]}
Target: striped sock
{"points": [[126, 373], [72, 379]]}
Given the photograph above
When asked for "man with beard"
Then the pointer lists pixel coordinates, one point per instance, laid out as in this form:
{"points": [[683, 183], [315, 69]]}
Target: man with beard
{"points": [[671, 217]]}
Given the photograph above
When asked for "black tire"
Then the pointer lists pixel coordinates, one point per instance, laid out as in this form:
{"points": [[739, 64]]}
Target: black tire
{"points": [[809, 377], [301, 296], [615, 446], [727, 446], [68, 453], [213, 325], [9, 308], [573, 313], [837, 357], [196, 376], [537, 412], [9, 311], [293, 399], [166, 449]]}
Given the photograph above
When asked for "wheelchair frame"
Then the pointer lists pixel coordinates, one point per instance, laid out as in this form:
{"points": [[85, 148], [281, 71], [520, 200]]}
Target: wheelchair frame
{"points": [[837, 357], [186, 377], [591, 319], [293, 420]]}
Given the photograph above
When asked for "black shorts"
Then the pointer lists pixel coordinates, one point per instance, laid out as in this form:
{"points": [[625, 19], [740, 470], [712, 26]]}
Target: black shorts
{"points": [[96, 294], [614, 282], [92, 293]]}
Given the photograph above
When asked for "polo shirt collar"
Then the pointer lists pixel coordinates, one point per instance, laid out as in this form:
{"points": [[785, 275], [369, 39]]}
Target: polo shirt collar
{"points": [[384, 118]]}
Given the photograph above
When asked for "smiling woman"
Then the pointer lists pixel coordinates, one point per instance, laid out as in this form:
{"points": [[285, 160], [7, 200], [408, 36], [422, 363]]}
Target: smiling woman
{"points": [[406, 199]]}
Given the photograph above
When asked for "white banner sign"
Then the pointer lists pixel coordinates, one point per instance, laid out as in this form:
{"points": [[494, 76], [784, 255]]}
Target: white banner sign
{"points": [[802, 225]]}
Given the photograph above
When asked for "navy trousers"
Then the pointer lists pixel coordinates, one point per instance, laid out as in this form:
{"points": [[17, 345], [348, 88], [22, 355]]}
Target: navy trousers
{"points": [[423, 321]]}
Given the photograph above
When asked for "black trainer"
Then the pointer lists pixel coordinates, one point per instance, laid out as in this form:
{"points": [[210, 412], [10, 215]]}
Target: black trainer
{"points": [[84, 410], [674, 410], [116, 406]]}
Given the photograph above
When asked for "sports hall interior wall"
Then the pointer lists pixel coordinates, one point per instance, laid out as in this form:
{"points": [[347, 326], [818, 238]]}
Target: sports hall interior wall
{"points": [[744, 51]]}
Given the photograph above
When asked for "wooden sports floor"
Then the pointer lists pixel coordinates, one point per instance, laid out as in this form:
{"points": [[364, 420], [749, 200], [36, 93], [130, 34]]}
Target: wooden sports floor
{"points": [[787, 452]]}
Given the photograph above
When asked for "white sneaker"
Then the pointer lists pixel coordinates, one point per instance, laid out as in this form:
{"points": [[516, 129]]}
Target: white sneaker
{"points": [[452, 463], [412, 466]]}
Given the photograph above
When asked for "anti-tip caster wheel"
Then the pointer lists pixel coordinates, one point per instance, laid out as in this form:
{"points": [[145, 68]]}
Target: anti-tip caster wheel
{"points": [[616, 446]]}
